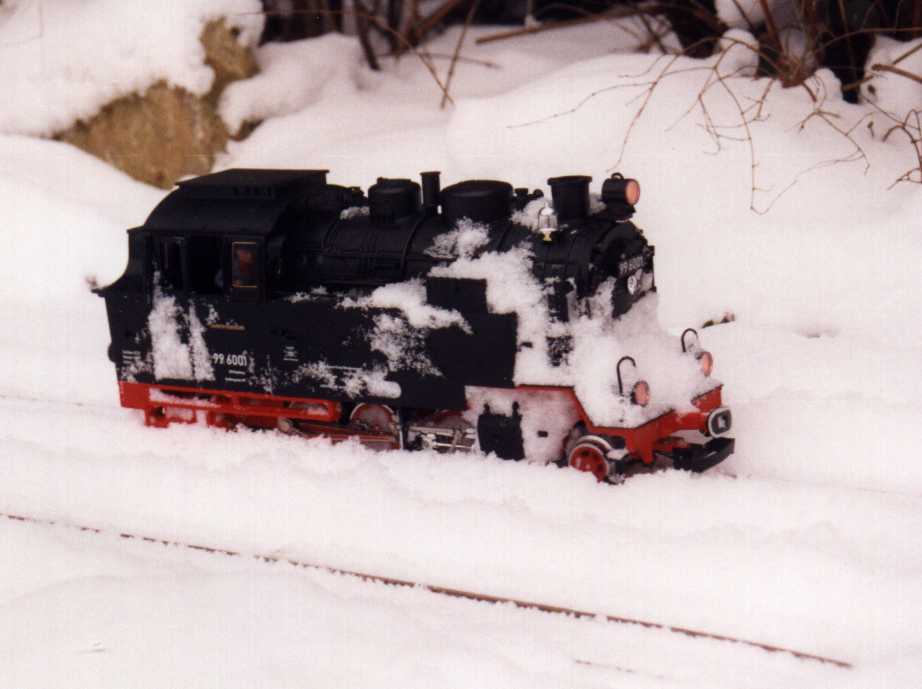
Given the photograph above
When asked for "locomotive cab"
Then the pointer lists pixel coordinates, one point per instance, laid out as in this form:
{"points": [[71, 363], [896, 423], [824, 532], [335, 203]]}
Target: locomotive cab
{"points": [[223, 233]]}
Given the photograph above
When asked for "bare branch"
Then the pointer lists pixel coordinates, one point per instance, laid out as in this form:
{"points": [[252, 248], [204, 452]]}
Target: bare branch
{"points": [[454, 57], [489, 64], [897, 70], [418, 32], [361, 26], [908, 53]]}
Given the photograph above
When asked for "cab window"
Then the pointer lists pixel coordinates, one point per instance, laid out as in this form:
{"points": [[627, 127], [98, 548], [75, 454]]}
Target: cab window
{"points": [[172, 261], [245, 265], [205, 274]]}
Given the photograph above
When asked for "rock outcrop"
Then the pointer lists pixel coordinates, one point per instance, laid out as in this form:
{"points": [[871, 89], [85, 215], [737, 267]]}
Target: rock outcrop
{"points": [[167, 132]]}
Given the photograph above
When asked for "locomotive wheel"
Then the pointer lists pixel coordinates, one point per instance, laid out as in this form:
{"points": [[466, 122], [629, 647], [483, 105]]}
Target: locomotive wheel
{"points": [[589, 456], [375, 418]]}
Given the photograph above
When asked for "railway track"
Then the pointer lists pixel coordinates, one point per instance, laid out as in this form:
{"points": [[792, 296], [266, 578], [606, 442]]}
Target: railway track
{"points": [[443, 590]]}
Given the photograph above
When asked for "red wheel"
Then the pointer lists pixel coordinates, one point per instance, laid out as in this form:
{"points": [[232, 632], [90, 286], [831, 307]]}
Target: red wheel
{"points": [[376, 418], [588, 456]]}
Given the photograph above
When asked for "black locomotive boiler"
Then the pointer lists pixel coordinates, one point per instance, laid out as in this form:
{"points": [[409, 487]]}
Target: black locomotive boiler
{"points": [[274, 299]]}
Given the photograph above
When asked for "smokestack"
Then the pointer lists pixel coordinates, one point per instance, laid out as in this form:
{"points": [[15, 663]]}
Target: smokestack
{"points": [[571, 197], [481, 200], [391, 200], [431, 189]]}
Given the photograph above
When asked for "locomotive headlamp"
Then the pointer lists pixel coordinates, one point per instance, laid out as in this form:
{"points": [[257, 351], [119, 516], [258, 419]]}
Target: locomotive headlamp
{"points": [[632, 191], [619, 189], [634, 281], [705, 362], [640, 393]]}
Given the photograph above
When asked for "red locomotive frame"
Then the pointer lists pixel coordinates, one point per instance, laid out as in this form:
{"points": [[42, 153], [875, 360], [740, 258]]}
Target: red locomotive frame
{"points": [[166, 404]]}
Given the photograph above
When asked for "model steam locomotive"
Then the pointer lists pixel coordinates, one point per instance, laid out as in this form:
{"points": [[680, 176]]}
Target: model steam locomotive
{"points": [[477, 316]]}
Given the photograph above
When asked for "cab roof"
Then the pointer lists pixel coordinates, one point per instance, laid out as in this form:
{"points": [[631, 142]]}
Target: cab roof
{"points": [[238, 201]]}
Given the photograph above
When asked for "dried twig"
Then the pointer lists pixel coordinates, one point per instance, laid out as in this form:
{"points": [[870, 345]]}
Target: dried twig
{"points": [[654, 37], [908, 53], [896, 70], [394, 17], [454, 57], [911, 127], [419, 31], [773, 34], [869, 77], [489, 64], [748, 114], [750, 25], [914, 134], [361, 25]]}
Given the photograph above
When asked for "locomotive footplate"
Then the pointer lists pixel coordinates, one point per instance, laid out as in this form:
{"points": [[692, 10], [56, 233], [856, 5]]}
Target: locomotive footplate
{"points": [[700, 458]]}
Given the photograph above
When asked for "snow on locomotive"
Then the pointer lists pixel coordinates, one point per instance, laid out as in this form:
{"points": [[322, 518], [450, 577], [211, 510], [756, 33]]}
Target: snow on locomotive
{"points": [[472, 317]]}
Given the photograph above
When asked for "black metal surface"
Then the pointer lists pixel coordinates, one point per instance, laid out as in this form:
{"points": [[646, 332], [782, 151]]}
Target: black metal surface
{"points": [[571, 197], [462, 295], [479, 200], [501, 434], [700, 458], [618, 371]]}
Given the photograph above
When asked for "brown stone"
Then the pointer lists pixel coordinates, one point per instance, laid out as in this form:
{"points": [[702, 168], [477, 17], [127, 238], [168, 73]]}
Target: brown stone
{"points": [[224, 54], [167, 133]]}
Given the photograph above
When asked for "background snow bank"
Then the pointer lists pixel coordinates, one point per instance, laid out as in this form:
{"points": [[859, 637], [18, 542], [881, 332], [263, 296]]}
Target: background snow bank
{"points": [[291, 77], [62, 61], [64, 220], [834, 252]]}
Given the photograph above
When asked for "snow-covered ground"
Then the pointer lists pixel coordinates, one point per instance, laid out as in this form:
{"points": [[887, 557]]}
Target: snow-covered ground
{"points": [[807, 537], [249, 624]]}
